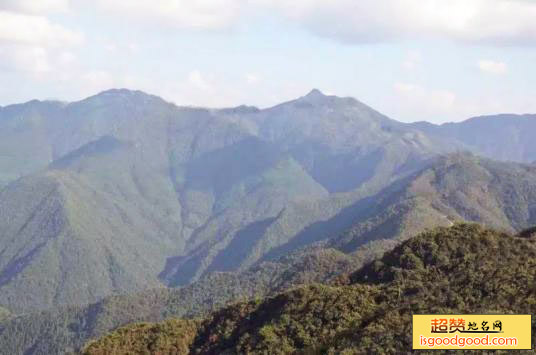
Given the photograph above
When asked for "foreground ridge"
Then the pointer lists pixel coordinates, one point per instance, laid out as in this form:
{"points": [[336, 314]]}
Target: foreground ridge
{"points": [[462, 269]]}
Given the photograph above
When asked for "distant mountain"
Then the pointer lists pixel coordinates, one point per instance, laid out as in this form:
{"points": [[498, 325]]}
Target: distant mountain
{"points": [[122, 191], [465, 269], [452, 188], [501, 137], [345, 147], [36, 133], [106, 201]]}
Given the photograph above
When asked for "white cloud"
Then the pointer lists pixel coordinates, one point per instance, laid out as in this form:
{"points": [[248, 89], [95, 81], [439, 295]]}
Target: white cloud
{"points": [[111, 47], [31, 44], [196, 79], [210, 89], [35, 30], [493, 67], [492, 21], [35, 6], [415, 102], [133, 47], [435, 98], [28, 59], [197, 14], [418, 101], [115, 47], [40, 63], [252, 78], [97, 80], [473, 21], [412, 60]]}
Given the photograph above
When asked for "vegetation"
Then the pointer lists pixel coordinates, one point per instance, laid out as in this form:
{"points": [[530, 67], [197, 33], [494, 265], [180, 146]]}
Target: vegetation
{"points": [[170, 337], [462, 269], [4, 314], [123, 192], [66, 329], [106, 201], [454, 188]]}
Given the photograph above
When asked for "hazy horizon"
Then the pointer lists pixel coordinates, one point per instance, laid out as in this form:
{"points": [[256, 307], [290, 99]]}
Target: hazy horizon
{"points": [[260, 107], [411, 60]]}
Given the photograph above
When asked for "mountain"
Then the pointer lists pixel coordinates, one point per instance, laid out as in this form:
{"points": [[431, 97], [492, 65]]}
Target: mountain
{"points": [[464, 269], [347, 148], [127, 192], [449, 189], [107, 201], [123, 192], [481, 135], [24, 142], [82, 230], [36, 133], [67, 329], [452, 188]]}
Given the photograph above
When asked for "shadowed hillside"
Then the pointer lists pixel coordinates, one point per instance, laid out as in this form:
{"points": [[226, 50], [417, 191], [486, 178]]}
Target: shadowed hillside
{"points": [[450, 189], [456, 187], [123, 191]]}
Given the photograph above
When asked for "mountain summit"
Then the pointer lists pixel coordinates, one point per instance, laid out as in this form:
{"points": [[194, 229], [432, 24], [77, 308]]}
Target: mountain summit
{"points": [[315, 94], [317, 98]]}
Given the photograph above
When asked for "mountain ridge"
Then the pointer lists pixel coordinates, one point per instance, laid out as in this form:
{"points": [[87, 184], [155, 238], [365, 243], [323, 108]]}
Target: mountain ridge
{"points": [[462, 269], [191, 190], [121, 199]]}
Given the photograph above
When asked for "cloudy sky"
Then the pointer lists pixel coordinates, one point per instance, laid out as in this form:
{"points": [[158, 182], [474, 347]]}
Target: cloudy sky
{"points": [[435, 60]]}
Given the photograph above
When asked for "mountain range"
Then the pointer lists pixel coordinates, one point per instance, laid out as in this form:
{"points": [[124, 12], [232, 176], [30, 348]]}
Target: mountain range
{"points": [[123, 192]]}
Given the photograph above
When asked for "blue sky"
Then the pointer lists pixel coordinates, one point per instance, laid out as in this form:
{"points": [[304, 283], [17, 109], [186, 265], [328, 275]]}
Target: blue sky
{"points": [[434, 60]]}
